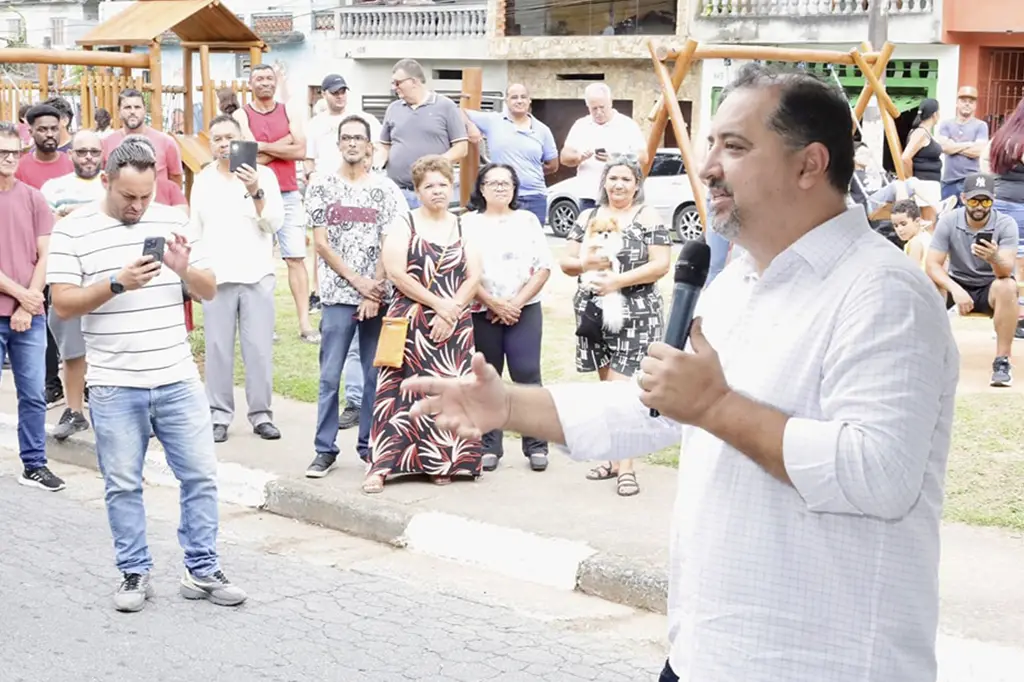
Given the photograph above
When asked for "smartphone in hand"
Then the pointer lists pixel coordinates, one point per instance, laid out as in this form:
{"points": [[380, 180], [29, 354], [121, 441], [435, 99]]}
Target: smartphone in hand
{"points": [[984, 236], [154, 246], [242, 153]]}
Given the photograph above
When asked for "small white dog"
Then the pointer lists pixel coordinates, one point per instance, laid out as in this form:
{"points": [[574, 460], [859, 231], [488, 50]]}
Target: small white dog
{"points": [[604, 237]]}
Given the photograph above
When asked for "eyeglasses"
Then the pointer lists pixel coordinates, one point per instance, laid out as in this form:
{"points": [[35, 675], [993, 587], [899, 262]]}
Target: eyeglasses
{"points": [[975, 202], [353, 138], [498, 184], [7, 154], [395, 83], [88, 152]]}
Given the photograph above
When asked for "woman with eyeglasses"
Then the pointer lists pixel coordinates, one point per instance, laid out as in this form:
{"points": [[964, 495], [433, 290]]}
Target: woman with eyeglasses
{"points": [[643, 260], [507, 317]]}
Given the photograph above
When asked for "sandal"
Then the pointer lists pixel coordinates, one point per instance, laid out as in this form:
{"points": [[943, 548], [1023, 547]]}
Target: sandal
{"points": [[373, 485], [627, 485], [440, 480], [601, 473]]}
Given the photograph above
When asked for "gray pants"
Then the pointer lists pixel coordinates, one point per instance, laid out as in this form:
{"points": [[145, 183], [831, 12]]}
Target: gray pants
{"points": [[250, 308]]}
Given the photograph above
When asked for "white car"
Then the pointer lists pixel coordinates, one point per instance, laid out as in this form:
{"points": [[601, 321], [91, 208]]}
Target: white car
{"points": [[667, 189]]}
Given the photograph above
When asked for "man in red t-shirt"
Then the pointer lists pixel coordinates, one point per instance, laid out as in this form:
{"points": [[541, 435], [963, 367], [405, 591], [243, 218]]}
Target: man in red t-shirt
{"points": [[132, 109], [25, 226], [44, 162]]}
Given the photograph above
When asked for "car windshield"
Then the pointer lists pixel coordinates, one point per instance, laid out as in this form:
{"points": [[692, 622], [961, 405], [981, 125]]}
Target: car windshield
{"points": [[667, 164]]}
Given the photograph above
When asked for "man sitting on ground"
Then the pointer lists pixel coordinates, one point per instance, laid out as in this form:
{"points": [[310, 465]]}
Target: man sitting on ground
{"points": [[981, 246]]}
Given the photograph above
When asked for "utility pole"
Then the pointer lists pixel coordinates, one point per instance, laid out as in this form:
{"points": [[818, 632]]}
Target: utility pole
{"points": [[872, 130]]}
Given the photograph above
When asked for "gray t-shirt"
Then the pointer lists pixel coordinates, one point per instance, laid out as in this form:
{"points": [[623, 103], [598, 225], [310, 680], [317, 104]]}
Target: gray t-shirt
{"points": [[430, 128], [954, 237], [956, 167]]}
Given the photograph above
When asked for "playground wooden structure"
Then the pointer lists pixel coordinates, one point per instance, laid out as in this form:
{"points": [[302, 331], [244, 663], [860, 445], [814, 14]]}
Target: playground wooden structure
{"points": [[202, 26], [666, 110]]}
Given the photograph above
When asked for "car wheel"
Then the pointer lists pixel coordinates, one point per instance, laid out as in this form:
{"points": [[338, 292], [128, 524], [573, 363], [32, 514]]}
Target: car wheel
{"points": [[562, 216], [686, 223]]}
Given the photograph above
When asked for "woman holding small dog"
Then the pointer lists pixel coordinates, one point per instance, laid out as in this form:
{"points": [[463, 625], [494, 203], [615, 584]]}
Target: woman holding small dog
{"points": [[619, 251], [507, 318]]}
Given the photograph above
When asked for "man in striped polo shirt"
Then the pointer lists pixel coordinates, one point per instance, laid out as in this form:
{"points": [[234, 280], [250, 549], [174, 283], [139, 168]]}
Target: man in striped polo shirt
{"points": [[141, 374]]}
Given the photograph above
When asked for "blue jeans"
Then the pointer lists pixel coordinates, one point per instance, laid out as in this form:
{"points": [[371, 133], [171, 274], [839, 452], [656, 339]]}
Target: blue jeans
{"points": [[27, 352], [952, 188], [411, 198], [587, 204], [719, 246], [537, 204], [338, 327], [179, 415], [353, 373]]}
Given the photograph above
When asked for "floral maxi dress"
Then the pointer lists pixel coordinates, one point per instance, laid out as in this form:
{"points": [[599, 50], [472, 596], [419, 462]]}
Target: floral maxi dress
{"points": [[400, 444]]}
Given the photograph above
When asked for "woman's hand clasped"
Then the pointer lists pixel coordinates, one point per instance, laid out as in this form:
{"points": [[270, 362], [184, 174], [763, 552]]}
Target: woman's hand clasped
{"points": [[506, 312], [440, 329]]}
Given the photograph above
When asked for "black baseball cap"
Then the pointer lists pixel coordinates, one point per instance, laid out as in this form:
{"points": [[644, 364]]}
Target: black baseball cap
{"points": [[333, 83], [979, 185]]}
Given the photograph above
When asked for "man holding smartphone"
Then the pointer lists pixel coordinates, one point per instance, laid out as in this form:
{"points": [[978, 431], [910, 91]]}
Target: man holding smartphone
{"points": [[980, 244]]}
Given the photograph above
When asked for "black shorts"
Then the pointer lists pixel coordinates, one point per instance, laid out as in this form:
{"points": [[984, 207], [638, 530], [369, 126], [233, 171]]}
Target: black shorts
{"points": [[978, 294]]}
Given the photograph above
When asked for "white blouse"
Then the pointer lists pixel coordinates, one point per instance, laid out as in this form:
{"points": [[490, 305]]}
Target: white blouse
{"points": [[512, 249]]}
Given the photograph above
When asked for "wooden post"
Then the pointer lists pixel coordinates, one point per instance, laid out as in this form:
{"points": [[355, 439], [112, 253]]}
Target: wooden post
{"points": [[865, 94], [873, 80], [255, 56], [83, 87], [156, 83], [44, 81], [469, 167], [887, 107], [189, 91], [679, 71], [204, 74], [675, 115]]}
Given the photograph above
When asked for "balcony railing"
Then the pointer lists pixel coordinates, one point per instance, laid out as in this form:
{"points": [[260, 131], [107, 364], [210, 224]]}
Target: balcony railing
{"points": [[809, 8], [404, 23]]}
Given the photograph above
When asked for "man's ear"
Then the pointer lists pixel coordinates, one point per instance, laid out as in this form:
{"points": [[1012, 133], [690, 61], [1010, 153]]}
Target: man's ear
{"points": [[816, 160]]}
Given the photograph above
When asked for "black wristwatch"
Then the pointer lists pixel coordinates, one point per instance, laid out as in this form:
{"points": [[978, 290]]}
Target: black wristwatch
{"points": [[258, 195], [115, 286]]}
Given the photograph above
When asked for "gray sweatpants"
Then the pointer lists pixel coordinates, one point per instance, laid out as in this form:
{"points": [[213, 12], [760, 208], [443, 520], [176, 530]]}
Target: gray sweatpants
{"points": [[250, 309]]}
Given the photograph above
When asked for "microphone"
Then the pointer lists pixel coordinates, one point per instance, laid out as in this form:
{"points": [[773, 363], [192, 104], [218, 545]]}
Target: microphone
{"points": [[691, 274]]}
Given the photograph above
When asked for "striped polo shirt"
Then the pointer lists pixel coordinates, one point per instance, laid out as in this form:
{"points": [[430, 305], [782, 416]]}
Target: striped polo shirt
{"points": [[138, 338]]}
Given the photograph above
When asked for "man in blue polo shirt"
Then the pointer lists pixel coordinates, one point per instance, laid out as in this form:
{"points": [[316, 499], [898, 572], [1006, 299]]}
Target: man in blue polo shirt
{"points": [[518, 139]]}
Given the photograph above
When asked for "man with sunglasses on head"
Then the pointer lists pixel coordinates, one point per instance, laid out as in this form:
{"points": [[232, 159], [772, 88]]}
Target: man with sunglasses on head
{"points": [[980, 244], [64, 195]]}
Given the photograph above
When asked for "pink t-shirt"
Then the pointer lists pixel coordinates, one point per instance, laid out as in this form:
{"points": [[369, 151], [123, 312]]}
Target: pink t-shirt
{"points": [[35, 173], [169, 194], [24, 217], [168, 157]]}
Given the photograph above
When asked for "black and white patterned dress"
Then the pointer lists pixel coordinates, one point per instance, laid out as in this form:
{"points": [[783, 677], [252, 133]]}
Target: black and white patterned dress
{"points": [[624, 350]]}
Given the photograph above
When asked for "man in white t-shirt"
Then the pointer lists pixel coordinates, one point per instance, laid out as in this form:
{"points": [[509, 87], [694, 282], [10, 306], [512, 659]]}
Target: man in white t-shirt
{"points": [[323, 156], [140, 369], [64, 195], [596, 137]]}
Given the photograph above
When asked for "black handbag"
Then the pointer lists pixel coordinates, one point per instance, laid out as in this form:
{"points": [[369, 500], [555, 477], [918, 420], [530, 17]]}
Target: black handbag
{"points": [[591, 322]]}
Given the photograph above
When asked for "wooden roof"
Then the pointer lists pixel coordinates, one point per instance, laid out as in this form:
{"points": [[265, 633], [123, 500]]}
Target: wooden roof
{"points": [[193, 21]]}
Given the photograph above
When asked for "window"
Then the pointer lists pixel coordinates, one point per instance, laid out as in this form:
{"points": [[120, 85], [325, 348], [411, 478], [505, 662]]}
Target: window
{"points": [[242, 64], [271, 23], [57, 30], [590, 17], [666, 164]]}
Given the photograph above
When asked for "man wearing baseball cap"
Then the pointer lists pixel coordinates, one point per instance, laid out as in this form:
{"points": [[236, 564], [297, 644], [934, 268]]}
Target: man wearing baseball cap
{"points": [[980, 244], [963, 141]]}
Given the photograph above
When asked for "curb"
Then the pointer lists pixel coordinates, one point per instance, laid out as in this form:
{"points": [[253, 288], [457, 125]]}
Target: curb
{"points": [[554, 562]]}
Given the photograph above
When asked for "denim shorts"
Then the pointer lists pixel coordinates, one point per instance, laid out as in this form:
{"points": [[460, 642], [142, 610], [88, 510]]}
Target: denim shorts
{"points": [[291, 238]]}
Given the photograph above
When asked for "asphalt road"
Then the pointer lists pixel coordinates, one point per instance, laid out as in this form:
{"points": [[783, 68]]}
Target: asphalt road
{"points": [[305, 619]]}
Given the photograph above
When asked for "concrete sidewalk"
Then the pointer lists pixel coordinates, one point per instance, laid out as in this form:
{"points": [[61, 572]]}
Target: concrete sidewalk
{"points": [[553, 528]]}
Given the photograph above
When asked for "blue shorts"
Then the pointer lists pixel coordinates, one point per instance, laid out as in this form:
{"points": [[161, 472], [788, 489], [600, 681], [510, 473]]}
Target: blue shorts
{"points": [[291, 238]]}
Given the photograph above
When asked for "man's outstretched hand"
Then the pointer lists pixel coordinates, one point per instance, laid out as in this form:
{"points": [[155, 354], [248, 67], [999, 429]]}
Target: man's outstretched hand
{"points": [[468, 406]]}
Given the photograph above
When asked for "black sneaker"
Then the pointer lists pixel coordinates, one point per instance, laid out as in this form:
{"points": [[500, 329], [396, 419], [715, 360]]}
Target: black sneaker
{"points": [[314, 303], [348, 418], [321, 465], [1002, 372], [54, 395], [41, 478], [70, 422]]}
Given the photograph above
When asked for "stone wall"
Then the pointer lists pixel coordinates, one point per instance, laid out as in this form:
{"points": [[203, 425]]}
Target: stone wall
{"points": [[628, 79]]}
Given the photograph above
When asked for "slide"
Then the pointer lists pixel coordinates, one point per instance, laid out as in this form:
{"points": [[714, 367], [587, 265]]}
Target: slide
{"points": [[195, 151]]}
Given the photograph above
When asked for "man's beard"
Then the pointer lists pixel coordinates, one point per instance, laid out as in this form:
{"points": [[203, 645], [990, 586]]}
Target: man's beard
{"points": [[129, 126], [979, 214], [87, 175]]}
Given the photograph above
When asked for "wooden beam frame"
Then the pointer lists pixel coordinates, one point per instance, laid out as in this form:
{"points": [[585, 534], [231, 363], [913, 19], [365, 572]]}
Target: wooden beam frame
{"points": [[234, 47], [872, 64], [156, 82], [204, 75], [25, 55], [471, 98]]}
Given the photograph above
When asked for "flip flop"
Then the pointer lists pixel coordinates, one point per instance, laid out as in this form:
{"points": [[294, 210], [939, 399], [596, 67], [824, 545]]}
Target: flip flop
{"points": [[601, 473], [627, 485], [373, 485], [440, 480]]}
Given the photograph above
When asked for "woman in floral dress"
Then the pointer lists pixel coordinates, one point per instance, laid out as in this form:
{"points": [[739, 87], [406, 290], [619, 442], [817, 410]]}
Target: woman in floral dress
{"points": [[436, 272]]}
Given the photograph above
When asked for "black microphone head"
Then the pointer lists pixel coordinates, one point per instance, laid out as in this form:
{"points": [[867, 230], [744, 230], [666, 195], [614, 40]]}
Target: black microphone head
{"points": [[693, 264]]}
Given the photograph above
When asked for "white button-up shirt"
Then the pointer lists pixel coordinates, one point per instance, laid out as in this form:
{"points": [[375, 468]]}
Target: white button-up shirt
{"points": [[240, 243], [835, 578]]}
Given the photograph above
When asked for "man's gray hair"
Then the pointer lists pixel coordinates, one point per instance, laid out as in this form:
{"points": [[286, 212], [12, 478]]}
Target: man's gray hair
{"points": [[597, 90], [631, 162], [9, 130], [136, 151], [411, 68]]}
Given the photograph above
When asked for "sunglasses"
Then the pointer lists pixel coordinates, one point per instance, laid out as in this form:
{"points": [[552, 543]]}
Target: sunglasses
{"points": [[975, 202]]}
